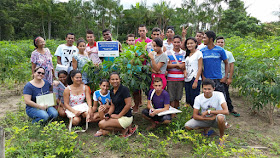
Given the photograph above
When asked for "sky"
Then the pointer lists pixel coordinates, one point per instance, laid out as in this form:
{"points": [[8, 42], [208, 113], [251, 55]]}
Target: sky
{"points": [[261, 9]]}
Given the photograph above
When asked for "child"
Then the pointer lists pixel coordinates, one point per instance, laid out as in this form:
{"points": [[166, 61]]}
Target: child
{"points": [[59, 90], [80, 59], [158, 62], [158, 101]]}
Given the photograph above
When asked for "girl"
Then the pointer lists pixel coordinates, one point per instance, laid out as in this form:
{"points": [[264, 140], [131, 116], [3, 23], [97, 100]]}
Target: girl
{"points": [[36, 87], [80, 59], [58, 90], [101, 97], [193, 63], [42, 57], [75, 95], [158, 62], [119, 116]]}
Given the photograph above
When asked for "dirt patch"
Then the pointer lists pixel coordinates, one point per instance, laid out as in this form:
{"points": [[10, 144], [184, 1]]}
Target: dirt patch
{"points": [[9, 101]]}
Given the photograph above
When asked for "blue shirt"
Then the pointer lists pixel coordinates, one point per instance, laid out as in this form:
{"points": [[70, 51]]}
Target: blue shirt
{"points": [[35, 91], [212, 59], [105, 99]]}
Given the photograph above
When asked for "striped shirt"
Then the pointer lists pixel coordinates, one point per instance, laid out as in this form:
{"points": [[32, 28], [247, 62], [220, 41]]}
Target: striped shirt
{"points": [[175, 74]]}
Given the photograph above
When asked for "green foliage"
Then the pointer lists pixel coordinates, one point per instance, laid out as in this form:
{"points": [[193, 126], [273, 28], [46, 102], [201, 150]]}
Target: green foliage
{"points": [[24, 139], [129, 65], [257, 71]]}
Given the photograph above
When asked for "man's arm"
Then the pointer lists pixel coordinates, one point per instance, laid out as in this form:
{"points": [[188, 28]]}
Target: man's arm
{"points": [[224, 79], [224, 111], [196, 116], [231, 70]]}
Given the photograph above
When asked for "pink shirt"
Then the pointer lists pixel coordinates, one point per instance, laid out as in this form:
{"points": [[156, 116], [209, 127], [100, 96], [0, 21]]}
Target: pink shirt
{"points": [[148, 40], [94, 55]]}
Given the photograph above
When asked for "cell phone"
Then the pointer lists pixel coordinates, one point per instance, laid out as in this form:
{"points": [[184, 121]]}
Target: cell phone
{"points": [[107, 115]]}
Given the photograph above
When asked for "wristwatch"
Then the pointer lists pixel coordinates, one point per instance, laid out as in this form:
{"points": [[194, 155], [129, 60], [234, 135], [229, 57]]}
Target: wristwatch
{"points": [[209, 112]]}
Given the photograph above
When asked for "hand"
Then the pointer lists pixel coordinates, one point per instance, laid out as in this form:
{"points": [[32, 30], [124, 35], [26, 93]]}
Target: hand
{"points": [[102, 108], [184, 32], [181, 66], [194, 85], [204, 113], [212, 117], [89, 53], [151, 55], [115, 116], [223, 80], [162, 34], [156, 72], [77, 113], [229, 81], [44, 107], [55, 83], [88, 119]]}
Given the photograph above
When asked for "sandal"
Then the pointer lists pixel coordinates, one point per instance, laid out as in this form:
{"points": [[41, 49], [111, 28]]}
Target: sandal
{"points": [[132, 131], [234, 113], [209, 133], [98, 134]]}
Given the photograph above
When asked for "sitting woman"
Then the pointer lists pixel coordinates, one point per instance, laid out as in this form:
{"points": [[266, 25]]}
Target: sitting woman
{"points": [[74, 98], [37, 87], [158, 101], [58, 90], [119, 116]]}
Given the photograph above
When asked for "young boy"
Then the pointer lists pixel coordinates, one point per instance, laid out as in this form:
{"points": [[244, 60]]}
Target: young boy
{"points": [[91, 48], [220, 41], [64, 52], [158, 102], [175, 68], [156, 33], [169, 34], [213, 108], [142, 31]]}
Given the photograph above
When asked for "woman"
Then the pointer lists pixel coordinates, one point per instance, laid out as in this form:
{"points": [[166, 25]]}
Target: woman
{"points": [[193, 63], [119, 116], [36, 87], [158, 62], [42, 57], [74, 97], [80, 59], [58, 90]]}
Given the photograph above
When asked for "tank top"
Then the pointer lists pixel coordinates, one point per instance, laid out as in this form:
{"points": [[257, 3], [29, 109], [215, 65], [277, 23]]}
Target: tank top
{"points": [[76, 99]]}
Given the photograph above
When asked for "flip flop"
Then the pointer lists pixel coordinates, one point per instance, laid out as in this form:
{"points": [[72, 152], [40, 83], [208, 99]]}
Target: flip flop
{"points": [[98, 134], [235, 114], [210, 132], [132, 132]]}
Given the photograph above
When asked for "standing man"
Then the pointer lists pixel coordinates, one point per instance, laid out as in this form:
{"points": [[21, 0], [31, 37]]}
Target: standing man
{"points": [[64, 52], [142, 31], [107, 36], [156, 33], [220, 41], [213, 108], [199, 37], [212, 57], [175, 68], [169, 35], [91, 49]]}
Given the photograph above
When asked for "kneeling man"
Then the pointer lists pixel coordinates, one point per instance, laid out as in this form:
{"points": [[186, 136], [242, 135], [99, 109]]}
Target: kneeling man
{"points": [[158, 101], [213, 110]]}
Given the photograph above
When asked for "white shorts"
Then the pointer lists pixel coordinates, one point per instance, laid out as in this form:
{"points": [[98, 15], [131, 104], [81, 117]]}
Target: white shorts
{"points": [[125, 121]]}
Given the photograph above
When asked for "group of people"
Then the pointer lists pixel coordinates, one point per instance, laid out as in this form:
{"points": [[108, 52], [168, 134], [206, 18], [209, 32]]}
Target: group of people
{"points": [[176, 62]]}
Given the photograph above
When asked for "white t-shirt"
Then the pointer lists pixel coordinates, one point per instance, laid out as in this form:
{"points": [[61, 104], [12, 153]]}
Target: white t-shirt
{"points": [[213, 103], [230, 60], [167, 46], [66, 54], [191, 64], [199, 47]]}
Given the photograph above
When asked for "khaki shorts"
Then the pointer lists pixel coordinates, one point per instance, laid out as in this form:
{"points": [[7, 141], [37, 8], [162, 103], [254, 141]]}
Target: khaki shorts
{"points": [[125, 121], [193, 124], [175, 90]]}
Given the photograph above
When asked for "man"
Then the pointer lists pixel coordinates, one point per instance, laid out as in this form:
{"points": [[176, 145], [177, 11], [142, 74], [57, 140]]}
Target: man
{"points": [[175, 68], [199, 37], [220, 41], [64, 52], [169, 35], [158, 101], [212, 58], [213, 108], [156, 33], [107, 36], [91, 48], [142, 31]]}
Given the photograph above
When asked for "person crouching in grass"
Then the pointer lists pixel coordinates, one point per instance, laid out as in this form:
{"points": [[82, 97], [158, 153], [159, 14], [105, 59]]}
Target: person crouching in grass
{"points": [[213, 108], [158, 101]]}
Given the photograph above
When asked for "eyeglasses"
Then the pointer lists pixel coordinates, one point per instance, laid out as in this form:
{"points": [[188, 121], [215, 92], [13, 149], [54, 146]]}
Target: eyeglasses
{"points": [[41, 73]]}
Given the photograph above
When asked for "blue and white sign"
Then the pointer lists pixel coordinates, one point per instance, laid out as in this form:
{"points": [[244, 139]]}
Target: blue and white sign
{"points": [[108, 48]]}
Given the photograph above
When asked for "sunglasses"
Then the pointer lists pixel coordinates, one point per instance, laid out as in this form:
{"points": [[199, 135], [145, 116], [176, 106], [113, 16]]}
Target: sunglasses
{"points": [[41, 73]]}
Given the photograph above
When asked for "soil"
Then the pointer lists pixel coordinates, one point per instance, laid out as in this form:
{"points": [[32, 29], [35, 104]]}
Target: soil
{"points": [[251, 128]]}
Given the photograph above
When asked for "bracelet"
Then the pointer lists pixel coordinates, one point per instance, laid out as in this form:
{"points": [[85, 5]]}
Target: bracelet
{"points": [[209, 112], [195, 80]]}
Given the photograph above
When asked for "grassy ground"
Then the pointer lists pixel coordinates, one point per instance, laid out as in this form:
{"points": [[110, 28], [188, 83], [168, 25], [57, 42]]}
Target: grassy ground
{"points": [[249, 132]]}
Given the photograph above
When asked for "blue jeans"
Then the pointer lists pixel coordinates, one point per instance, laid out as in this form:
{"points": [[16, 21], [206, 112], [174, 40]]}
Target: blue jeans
{"points": [[190, 92], [41, 115]]}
